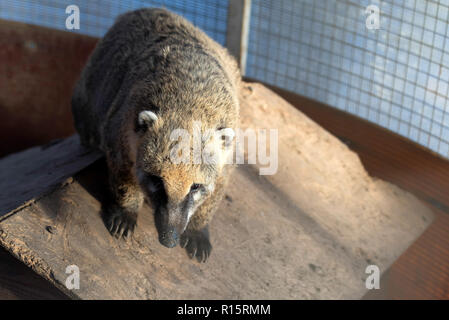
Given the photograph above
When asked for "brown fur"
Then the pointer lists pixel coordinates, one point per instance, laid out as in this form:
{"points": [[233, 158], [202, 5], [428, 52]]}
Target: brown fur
{"points": [[154, 60]]}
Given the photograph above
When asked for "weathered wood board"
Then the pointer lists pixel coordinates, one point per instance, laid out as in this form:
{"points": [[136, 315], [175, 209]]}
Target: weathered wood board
{"points": [[30, 174], [307, 232]]}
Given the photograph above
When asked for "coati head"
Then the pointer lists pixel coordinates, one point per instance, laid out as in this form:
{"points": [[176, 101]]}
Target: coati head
{"points": [[167, 166]]}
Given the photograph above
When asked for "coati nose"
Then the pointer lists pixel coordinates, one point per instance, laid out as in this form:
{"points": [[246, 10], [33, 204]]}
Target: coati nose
{"points": [[169, 238]]}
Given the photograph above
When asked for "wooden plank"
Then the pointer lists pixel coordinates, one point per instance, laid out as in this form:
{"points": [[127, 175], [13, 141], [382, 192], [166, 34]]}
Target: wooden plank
{"points": [[17, 281], [309, 231], [21, 179], [37, 73], [237, 31], [422, 272]]}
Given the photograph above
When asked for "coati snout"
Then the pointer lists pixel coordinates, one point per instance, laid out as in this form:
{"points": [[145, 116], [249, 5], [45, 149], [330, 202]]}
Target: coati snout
{"points": [[152, 73], [171, 221], [172, 213]]}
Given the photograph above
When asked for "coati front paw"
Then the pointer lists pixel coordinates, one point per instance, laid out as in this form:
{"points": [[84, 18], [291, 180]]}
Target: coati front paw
{"points": [[197, 244], [121, 223]]}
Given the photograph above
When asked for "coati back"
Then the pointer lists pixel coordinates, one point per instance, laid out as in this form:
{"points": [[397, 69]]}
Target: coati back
{"points": [[151, 75]]}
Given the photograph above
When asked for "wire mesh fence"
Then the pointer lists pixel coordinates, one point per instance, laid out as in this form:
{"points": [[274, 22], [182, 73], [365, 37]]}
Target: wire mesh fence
{"points": [[97, 16], [396, 76]]}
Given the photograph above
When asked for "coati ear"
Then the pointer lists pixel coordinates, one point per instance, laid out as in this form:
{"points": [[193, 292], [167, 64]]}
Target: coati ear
{"points": [[145, 119], [227, 135]]}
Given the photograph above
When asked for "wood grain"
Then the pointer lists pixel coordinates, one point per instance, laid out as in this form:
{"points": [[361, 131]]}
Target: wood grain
{"points": [[21, 179], [17, 281]]}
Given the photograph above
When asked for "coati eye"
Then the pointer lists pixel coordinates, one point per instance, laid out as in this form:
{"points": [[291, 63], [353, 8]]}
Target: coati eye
{"points": [[195, 187], [155, 183], [155, 189]]}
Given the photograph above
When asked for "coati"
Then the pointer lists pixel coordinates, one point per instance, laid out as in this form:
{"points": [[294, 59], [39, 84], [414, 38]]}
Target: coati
{"points": [[152, 73]]}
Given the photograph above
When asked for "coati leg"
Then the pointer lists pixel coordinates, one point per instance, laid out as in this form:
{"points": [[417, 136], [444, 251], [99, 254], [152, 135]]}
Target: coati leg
{"points": [[195, 238], [127, 199]]}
